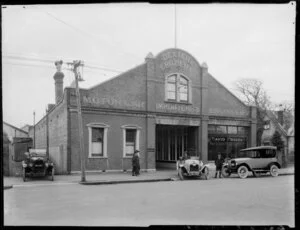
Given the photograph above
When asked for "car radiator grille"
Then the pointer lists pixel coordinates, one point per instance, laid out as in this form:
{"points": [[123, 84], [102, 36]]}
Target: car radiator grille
{"points": [[194, 167]]}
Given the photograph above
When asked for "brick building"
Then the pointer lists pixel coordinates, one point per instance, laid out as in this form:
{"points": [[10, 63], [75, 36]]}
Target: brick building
{"points": [[165, 106]]}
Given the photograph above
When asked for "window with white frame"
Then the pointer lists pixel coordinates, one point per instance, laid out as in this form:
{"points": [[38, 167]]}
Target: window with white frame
{"points": [[131, 137], [97, 140], [178, 88]]}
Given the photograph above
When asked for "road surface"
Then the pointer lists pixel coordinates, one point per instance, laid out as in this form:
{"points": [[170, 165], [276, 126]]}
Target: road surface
{"points": [[232, 201]]}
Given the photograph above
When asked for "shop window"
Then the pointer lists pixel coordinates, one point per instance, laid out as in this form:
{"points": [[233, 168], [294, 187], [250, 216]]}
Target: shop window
{"points": [[97, 140], [211, 128], [242, 130], [221, 129], [178, 88], [232, 129], [131, 137]]}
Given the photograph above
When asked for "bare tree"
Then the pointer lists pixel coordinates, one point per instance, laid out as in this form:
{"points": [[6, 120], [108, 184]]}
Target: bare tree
{"points": [[252, 93]]}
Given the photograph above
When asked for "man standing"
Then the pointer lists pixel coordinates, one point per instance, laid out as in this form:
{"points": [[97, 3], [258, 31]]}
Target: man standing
{"points": [[219, 162], [135, 163]]}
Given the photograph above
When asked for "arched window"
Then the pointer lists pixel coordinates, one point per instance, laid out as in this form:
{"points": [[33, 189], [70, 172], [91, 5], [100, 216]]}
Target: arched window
{"points": [[177, 88]]}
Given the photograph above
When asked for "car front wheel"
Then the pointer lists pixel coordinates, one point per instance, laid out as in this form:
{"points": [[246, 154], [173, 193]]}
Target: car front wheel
{"points": [[274, 170], [243, 172]]}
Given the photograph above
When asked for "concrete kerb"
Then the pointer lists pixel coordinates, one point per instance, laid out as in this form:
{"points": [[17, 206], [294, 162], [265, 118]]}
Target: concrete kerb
{"points": [[123, 181], [7, 187]]}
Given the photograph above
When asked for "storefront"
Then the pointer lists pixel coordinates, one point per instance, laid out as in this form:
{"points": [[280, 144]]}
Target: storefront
{"points": [[167, 105]]}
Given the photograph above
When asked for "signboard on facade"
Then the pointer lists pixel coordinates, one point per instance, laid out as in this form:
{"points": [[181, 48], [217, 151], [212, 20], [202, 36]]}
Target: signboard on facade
{"points": [[110, 101], [177, 108], [227, 139]]}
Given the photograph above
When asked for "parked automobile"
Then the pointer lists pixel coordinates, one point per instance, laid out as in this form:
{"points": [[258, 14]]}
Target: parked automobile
{"points": [[258, 160], [37, 164], [191, 167]]}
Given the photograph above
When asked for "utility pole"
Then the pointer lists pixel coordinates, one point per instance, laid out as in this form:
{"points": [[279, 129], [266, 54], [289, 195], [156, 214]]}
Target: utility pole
{"points": [[175, 25], [75, 65], [47, 132], [34, 129]]}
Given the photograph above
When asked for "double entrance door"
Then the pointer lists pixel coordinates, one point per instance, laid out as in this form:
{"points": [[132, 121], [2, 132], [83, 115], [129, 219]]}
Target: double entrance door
{"points": [[173, 141]]}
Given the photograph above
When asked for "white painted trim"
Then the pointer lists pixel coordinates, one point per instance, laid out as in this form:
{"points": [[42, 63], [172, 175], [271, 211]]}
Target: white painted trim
{"points": [[177, 88], [98, 125], [137, 138]]}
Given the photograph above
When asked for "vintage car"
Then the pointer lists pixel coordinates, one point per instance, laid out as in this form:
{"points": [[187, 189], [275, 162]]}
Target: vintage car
{"points": [[258, 160], [37, 164], [191, 167]]}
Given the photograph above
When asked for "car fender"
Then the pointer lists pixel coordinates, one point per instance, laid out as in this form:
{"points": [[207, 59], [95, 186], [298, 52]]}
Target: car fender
{"points": [[274, 163], [204, 167], [245, 164]]}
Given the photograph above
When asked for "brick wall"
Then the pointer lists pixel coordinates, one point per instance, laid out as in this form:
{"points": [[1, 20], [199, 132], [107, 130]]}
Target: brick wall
{"points": [[115, 159], [58, 136]]}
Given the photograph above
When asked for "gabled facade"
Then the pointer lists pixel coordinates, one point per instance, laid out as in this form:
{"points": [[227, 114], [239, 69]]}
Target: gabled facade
{"points": [[163, 107], [274, 121]]}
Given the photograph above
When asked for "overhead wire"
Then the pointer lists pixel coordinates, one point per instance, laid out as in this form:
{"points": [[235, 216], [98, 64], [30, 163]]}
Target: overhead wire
{"points": [[51, 61], [82, 31]]}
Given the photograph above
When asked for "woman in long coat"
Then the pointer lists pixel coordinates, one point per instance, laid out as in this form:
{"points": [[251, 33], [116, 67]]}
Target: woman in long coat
{"points": [[135, 163]]}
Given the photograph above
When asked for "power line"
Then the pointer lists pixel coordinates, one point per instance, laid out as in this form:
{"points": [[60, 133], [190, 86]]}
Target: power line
{"points": [[51, 61], [82, 31]]}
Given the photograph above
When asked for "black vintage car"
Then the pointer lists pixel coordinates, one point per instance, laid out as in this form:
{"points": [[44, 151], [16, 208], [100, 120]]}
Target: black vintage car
{"points": [[37, 164]]}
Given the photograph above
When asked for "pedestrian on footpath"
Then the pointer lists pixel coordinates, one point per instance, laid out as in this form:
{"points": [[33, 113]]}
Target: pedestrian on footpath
{"points": [[219, 162], [135, 163]]}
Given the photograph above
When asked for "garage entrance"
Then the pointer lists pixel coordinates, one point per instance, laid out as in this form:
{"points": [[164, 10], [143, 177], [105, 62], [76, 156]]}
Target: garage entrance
{"points": [[172, 142]]}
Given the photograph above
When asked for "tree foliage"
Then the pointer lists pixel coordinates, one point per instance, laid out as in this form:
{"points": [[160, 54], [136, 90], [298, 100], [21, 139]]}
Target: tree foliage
{"points": [[252, 93]]}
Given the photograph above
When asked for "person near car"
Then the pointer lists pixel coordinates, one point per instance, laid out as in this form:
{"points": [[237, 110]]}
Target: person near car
{"points": [[135, 163], [219, 162], [185, 155]]}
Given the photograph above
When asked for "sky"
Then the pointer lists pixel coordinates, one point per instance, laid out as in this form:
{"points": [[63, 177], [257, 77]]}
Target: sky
{"points": [[235, 40]]}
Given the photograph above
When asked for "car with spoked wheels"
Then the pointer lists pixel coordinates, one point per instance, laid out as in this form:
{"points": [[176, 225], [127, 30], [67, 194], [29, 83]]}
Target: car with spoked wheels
{"points": [[37, 164], [255, 160], [191, 167]]}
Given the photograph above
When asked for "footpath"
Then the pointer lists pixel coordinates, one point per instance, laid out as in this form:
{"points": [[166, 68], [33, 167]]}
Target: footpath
{"points": [[109, 178]]}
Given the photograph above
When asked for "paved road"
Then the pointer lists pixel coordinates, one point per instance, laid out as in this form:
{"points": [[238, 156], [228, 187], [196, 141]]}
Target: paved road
{"points": [[232, 201]]}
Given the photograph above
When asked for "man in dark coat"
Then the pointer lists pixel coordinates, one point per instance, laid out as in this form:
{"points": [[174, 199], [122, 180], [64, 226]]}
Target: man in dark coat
{"points": [[135, 163], [219, 162]]}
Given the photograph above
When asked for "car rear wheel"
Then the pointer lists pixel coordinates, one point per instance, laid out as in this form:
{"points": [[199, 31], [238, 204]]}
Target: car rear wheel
{"points": [[225, 172], [274, 170], [180, 174], [24, 175], [242, 171]]}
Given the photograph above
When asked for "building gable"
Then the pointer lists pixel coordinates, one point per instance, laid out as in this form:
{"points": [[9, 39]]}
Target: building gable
{"points": [[126, 91], [222, 102]]}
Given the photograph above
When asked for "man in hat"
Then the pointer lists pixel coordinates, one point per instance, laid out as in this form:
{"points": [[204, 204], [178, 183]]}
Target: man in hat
{"points": [[219, 162], [135, 163]]}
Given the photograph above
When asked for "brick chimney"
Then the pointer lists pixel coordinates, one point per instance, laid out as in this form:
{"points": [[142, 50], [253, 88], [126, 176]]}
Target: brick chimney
{"points": [[59, 83], [280, 116]]}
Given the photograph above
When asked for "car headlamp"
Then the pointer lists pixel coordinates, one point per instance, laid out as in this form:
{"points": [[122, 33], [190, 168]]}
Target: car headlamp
{"points": [[30, 164], [233, 164]]}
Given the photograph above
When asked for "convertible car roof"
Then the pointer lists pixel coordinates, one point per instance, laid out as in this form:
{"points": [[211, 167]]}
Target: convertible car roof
{"points": [[259, 147]]}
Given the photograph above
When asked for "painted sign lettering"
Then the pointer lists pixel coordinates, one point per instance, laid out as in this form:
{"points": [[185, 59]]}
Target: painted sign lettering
{"points": [[177, 108], [178, 59], [113, 102]]}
